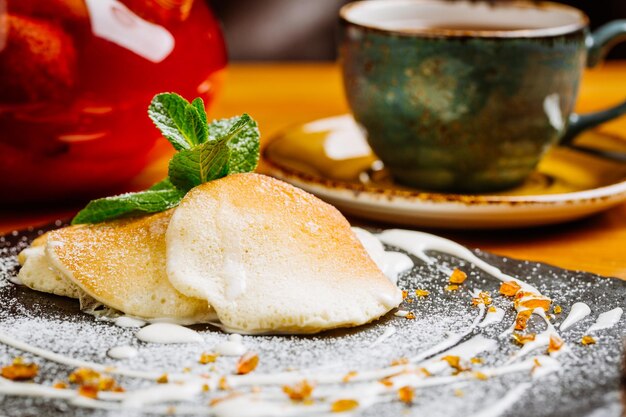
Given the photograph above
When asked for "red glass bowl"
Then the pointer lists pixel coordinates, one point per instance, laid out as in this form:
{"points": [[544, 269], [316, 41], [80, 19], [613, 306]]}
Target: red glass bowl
{"points": [[76, 79]]}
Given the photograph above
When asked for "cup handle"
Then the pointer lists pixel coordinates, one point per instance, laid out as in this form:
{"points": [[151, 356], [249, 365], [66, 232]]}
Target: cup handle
{"points": [[598, 44]]}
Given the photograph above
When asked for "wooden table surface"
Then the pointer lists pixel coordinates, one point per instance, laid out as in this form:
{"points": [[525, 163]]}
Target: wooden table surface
{"points": [[279, 95]]}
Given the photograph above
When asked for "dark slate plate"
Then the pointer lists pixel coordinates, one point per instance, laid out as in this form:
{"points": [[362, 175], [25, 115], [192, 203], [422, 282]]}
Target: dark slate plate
{"points": [[587, 385]]}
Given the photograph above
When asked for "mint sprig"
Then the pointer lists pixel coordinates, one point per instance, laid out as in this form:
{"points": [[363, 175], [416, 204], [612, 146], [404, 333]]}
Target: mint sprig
{"points": [[206, 152]]}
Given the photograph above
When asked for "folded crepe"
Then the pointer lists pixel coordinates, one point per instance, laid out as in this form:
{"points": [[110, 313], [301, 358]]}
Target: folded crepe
{"points": [[121, 264], [38, 274], [269, 257], [264, 256]]}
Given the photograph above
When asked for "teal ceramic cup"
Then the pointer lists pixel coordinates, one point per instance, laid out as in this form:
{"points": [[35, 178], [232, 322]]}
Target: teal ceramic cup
{"points": [[467, 96]]}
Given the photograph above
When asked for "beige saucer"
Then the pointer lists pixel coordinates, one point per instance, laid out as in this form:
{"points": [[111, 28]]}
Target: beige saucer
{"points": [[330, 158]]}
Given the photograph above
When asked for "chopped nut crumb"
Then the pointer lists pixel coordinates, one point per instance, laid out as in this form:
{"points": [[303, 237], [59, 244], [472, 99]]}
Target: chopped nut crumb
{"points": [[163, 379], [532, 301], [454, 362], [340, 406], [482, 298], [386, 382], [481, 376], [451, 287], [186, 370], [247, 363], [457, 276], [401, 361], [60, 385], [223, 384], [406, 395], [20, 370], [557, 309], [347, 377], [426, 372], [588, 340], [410, 316], [458, 393], [509, 288], [88, 391], [409, 300], [555, 344], [206, 358], [492, 309], [422, 293], [206, 388], [521, 321], [84, 376], [522, 339], [405, 294], [301, 391], [476, 360]]}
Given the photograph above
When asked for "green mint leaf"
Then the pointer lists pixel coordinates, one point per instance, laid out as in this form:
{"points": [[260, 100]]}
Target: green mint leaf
{"points": [[166, 184], [124, 205], [243, 136], [233, 147], [205, 162], [178, 120], [198, 103]]}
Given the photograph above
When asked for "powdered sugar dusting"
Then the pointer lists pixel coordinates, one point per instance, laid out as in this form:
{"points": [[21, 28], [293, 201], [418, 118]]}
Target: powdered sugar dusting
{"points": [[576, 389]]}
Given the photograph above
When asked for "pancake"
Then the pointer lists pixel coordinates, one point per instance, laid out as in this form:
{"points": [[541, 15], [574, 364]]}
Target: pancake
{"points": [[121, 264], [269, 257], [38, 274]]}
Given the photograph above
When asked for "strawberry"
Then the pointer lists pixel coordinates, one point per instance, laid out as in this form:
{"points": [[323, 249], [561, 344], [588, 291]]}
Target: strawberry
{"points": [[38, 62]]}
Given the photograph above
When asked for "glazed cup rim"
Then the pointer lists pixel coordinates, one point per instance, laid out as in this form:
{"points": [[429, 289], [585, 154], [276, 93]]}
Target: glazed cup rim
{"points": [[543, 32]]}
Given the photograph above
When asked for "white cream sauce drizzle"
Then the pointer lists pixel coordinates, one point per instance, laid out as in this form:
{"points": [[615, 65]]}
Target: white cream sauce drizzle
{"points": [[389, 331], [607, 320], [168, 333], [417, 243], [393, 264], [122, 352], [126, 321], [189, 386], [578, 312], [503, 404], [231, 347], [492, 317]]}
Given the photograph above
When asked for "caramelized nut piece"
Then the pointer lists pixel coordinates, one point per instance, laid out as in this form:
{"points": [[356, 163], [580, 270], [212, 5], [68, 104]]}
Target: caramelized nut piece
{"points": [[521, 321], [88, 391], [405, 294], [341, 406], [476, 360], [84, 376], [347, 377], [451, 287], [557, 309], [509, 288], [406, 395], [247, 363], [206, 358], [458, 276], [522, 339], [481, 376], [20, 370], [163, 379], [422, 293], [301, 391], [532, 301], [556, 343], [401, 361], [454, 362], [588, 340], [410, 316], [483, 298], [60, 385]]}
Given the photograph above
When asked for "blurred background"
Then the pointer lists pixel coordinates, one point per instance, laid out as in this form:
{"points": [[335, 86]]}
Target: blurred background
{"points": [[306, 29]]}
